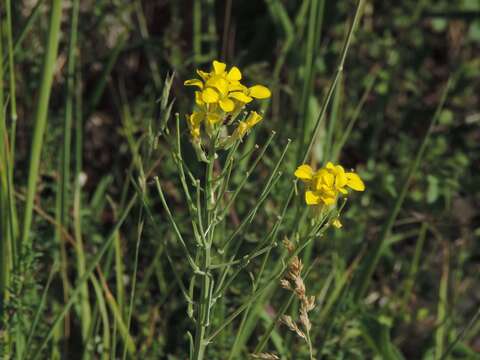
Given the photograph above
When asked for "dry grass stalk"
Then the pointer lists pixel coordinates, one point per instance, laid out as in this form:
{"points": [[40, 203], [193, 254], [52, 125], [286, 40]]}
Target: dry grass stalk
{"points": [[293, 282], [265, 356]]}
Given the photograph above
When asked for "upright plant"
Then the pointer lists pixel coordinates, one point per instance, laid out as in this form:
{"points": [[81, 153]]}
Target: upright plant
{"points": [[220, 121]]}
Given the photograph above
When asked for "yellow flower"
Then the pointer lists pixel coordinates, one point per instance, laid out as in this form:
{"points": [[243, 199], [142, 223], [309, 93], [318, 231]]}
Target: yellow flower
{"points": [[245, 126], [324, 185], [224, 88], [220, 97], [194, 120], [337, 223], [343, 179]]}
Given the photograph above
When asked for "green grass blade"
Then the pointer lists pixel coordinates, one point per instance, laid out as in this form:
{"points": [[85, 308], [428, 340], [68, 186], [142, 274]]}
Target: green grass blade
{"points": [[40, 307], [11, 73], [314, 29], [375, 254], [91, 267], [105, 319], [102, 82], [5, 253], [142, 22], [442, 305], [40, 118], [134, 279], [410, 281], [117, 315], [333, 83], [377, 335], [197, 31], [25, 29], [463, 332]]}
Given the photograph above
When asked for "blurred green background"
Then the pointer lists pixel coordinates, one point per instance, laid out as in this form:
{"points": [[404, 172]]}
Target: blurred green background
{"points": [[425, 290]]}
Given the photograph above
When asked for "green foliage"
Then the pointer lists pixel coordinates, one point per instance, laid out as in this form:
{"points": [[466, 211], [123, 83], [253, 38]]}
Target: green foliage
{"points": [[110, 245]]}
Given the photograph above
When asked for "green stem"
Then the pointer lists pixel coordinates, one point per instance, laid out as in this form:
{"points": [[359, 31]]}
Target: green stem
{"points": [[86, 317], [11, 71], [40, 118], [336, 77], [134, 282], [197, 30], [10, 150], [204, 303], [314, 29], [5, 252]]}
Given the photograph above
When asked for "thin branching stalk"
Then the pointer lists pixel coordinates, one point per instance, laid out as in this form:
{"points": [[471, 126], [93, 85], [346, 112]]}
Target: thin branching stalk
{"points": [[204, 302], [317, 127]]}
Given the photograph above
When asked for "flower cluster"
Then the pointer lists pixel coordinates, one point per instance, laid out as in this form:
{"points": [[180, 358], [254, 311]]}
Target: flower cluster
{"points": [[219, 100], [324, 185]]}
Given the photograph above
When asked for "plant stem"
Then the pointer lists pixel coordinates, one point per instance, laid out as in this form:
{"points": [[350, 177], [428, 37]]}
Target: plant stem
{"points": [[309, 342], [40, 118], [261, 296], [203, 314], [333, 84], [11, 72], [197, 31]]}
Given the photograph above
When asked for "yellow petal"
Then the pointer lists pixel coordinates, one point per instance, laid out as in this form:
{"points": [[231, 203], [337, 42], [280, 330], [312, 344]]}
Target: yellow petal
{"points": [[259, 92], [312, 198], [227, 105], [236, 86], [240, 96], [253, 118], [198, 98], [212, 118], [354, 182], [337, 223], [219, 67], [210, 96], [195, 119], [195, 132], [204, 75], [340, 179], [330, 166], [234, 74], [241, 130], [328, 200], [219, 83], [324, 178], [304, 172], [194, 82]]}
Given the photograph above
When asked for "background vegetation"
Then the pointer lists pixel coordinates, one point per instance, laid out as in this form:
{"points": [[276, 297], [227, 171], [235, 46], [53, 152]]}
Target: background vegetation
{"points": [[88, 272]]}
